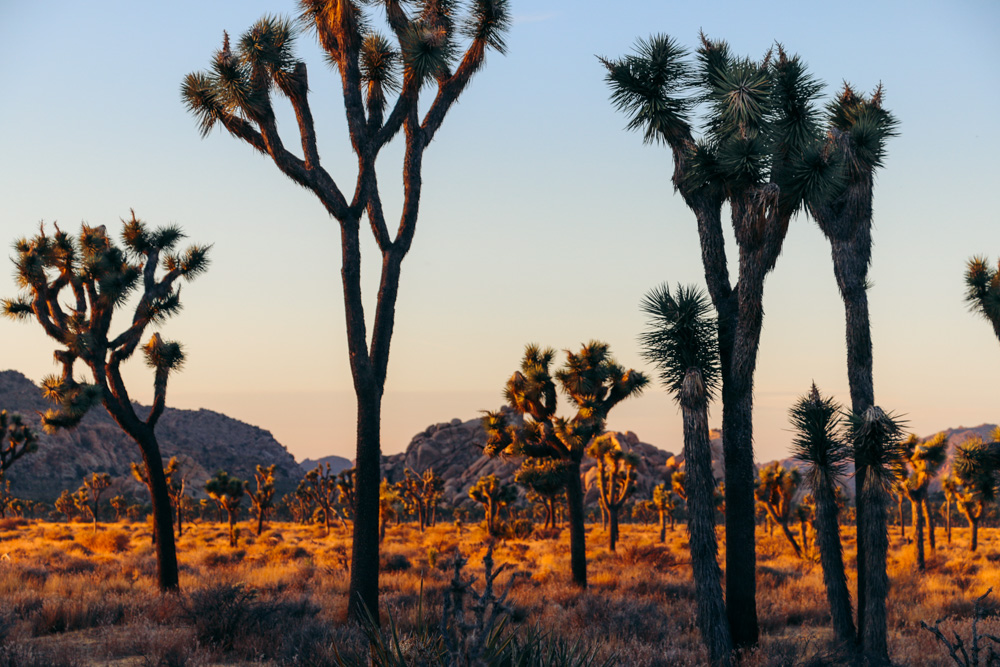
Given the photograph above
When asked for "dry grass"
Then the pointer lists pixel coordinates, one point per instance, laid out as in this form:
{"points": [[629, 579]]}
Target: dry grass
{"points": [[69, 596]]}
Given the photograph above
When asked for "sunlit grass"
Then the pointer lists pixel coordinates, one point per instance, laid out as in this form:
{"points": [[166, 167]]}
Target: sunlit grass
{"points": [[91, 597]]}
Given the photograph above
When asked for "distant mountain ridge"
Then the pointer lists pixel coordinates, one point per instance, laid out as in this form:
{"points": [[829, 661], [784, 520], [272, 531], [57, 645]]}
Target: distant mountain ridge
{"points": [[203, 440]]}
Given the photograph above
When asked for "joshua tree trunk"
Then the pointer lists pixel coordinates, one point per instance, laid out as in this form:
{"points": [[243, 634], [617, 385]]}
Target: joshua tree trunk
{"points": [[902, 524], [974, 543], [260, 522], [873, 632], [918, 517], [612, 526], [831, 557], [947, 517], [784, 529], [232, 527], [700, 487], [929, 522], [663, 526], [163, 525], [363, 592], [804, 536], [577, 536]]}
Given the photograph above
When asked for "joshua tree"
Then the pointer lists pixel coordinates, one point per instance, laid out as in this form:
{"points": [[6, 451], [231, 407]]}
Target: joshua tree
{"points": [[616, 475], [177, 485], [804, 513], [93, 487], [949, 487], [433, 493], [388, 503], [681, 341], [319, 489], [16, 439], [983, 291], [72, 287], [7, 500], [975, 469], [346, 492], [858, 129], [819, 445], [118, 504], [227, 492], [594, 383], [663, 502], [762, 152], [236, 93], [877, 441], [418, 492], [65, 505], [776, 488], [924, 461], [262, 499], [492, 494], [547, 479]]}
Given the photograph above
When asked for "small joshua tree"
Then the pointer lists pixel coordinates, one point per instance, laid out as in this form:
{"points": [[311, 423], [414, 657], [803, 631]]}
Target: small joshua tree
{"points": [[319, 489], [923, 461], [666, 507], [16, 439], [982, 293], [94, 486], [776, 488], [417, 493], [492, 495], [389, 501], [546, 479], [595, 383], [975, 469], [262, 499], [65, 505], [227, 492], [118, 504], [346, 492], [72, 288], [616, 475]]}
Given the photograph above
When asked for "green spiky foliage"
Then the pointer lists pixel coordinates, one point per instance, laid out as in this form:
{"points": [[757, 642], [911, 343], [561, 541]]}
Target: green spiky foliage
{"points": [[319, 490], [72, 286], [776, 489], [616, 476], [227, 492], [923, 461], [421, 495], [430, 47], [594, 383], [16, 439], [974, 468], [761, 150], [982, 291], [493, 495], [877, 439], [819, 445], [545, 480], [262, 499], [666, 507]]}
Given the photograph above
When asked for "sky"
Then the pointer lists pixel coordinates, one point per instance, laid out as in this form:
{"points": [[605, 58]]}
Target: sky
{"points": [[542, 219]]}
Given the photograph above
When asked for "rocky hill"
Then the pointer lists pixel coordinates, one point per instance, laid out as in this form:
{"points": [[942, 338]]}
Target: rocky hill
{"points": [[337, 463], [203, 440]]}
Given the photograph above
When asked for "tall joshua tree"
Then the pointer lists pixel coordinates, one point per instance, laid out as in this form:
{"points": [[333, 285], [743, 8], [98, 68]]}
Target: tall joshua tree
{"points": [[818, 443], [72, 287], [616, 475], [982, 291], [680, 340], [595, 383], [877, 441], [422, 51], [858, 129], [762, 153]]}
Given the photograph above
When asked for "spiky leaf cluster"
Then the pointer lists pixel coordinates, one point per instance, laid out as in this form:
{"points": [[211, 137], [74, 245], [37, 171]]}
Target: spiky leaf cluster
{"points": [[16, 439], [680, 335], [982, 290], [226, 490], [866, 126], [877, 440], [818, 439]]}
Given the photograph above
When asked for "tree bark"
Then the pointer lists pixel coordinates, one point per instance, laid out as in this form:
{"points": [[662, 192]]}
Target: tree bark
{"points": [[612, 526], [873, 633], [918, 517], [232, 527], [663, 526], [577, 534], [929, 522], [700, 485], [363, 591], [163, 524], [947, 518], [831, 557]]}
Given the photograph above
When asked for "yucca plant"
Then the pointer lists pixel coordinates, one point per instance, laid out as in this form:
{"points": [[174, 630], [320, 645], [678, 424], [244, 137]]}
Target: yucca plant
{"points": [[262, 500], [595, 383], [818, 444], [680, 341], [16, 439], [877, 441], [227, 492], [923, 461], [616, 476], [975, 468], [982, 291], [492, 494], [761, 151], [546, 479], [430, 45], [666, 508], [72, 286]]}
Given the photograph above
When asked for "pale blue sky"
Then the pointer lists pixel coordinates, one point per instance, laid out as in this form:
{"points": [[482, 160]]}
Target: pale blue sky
{"points": [[542, 219]]}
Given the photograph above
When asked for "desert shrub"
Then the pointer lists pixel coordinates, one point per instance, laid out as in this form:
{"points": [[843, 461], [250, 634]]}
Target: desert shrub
{"points": [[12, 523], [287, 552], [521, 529], [657, 557], [222, 558], [68, 614], [547, 533], [394, 563], [31, 655], [107, 541]]}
